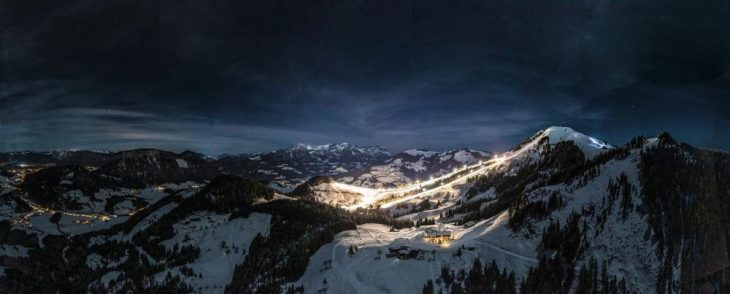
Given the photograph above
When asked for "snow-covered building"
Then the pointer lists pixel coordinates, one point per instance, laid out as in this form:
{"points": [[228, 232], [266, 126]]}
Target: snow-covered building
{"points": [[402, 252]]}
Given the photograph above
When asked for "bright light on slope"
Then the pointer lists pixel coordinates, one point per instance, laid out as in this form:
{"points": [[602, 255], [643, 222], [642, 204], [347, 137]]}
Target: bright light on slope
{"points": [[598, 143], [371, 196]]}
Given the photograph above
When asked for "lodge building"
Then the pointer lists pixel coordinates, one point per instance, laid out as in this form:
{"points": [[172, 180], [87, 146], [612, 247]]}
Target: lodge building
{"points": [[437, 236]]}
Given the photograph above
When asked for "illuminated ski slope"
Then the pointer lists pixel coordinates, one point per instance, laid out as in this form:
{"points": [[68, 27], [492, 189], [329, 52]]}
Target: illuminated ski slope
{"points": [[371, 196], [589, 145]]}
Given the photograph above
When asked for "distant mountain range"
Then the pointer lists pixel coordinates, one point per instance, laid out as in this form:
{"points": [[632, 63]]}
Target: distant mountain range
{"points": [[364, 165], [302, 162]]}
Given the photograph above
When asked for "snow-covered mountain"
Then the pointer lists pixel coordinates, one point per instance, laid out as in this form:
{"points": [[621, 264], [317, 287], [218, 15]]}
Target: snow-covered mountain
{"points": [[301, 162], [81, 187], [561, 207], [413, 165], [150, 166], [562, 212], [324, 189]]}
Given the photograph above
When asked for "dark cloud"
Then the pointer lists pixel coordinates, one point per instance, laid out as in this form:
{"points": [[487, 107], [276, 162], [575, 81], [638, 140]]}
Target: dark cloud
{"points": [[235, 76]]}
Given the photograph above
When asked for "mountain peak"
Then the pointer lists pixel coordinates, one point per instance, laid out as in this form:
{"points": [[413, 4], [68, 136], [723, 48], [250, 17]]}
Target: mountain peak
{"points": [[589, 145], [336, 147], [309, 147], [420, 152]]}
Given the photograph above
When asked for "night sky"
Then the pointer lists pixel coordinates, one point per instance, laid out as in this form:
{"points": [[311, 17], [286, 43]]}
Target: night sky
{"points": [[242, 76]]}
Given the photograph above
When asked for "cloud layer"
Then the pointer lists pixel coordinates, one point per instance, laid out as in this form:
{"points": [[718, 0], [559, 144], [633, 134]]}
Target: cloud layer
{"points": [[244, 76]]}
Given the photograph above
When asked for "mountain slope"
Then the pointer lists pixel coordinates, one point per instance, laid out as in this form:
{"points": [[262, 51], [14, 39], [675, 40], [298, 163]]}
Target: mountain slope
{"points": [[150, 166], [116, 182], [207, 240], [325, 190], [555, 210], [412, 165]]}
